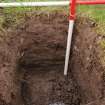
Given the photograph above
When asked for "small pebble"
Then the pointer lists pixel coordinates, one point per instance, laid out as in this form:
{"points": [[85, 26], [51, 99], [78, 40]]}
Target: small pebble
{"points": [[58, 103], [87, 58], [76, 49], [90, 47]]}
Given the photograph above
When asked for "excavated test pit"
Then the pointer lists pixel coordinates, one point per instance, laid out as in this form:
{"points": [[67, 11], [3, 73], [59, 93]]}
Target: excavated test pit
{"points": [[32, 62]]}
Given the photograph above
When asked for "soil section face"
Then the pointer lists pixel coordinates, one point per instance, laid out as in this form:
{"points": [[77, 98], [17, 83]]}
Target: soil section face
{"points": [[32, 62]]}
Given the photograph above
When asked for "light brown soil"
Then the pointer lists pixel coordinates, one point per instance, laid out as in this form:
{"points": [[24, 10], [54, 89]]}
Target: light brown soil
{"points": [[32, 61]]}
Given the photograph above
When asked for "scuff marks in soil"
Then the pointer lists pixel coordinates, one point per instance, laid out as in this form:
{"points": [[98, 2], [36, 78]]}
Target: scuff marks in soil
{"points": [[36, 52]]}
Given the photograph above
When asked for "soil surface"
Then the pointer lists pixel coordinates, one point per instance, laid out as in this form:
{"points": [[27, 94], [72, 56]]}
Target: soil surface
{"points": [[32, 62]]}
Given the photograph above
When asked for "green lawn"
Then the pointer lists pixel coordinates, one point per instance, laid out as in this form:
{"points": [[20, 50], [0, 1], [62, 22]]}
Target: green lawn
{"points": [[96, 12]]}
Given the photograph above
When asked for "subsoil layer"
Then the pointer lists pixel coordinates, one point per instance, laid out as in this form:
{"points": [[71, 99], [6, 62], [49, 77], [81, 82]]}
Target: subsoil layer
{"points": [[32, 62]]}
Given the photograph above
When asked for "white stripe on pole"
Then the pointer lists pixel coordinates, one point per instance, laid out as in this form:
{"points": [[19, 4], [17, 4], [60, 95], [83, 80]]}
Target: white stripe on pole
{"points": [[32, 4], [70, 31]]}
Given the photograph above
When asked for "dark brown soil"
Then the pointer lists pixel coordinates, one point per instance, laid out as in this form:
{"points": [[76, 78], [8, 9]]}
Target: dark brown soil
{"points": [[32, 62]]}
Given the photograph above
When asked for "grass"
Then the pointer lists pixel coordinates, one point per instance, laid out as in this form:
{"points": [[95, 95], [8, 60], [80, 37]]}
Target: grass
{"points": [[14, 15], [97, 13]]}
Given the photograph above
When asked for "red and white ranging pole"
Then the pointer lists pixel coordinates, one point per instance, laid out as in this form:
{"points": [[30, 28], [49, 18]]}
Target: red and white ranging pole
{"points": [[70, 32]]}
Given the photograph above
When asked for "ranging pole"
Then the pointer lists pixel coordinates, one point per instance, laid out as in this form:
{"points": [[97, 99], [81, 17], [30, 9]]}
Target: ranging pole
{"points": [[51, 3], [70, 31]]}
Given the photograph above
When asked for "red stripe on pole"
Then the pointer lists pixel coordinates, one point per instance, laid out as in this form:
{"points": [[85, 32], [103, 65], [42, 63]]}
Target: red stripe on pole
{"points": [[72, 9], [90, 2], [82, 2]]}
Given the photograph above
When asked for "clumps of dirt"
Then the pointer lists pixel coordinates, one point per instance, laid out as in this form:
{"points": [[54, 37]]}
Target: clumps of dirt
{"points": [[85, 62], [32, 62], [48, 87], [2, 102]]}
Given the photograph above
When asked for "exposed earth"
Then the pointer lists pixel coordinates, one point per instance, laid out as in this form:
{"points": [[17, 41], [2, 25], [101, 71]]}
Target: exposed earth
{"points": [[32, 62]]}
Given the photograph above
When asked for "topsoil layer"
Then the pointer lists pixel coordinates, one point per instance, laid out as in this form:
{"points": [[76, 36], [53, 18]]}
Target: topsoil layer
{"points": [[32, 62]]}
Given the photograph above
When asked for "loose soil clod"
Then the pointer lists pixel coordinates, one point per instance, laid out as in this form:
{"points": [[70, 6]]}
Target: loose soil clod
{"points": [[32, 63]]}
